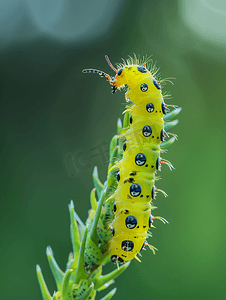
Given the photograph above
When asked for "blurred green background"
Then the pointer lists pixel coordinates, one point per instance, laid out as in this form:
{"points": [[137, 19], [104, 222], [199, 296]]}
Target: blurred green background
{"points": [[51, 113]]}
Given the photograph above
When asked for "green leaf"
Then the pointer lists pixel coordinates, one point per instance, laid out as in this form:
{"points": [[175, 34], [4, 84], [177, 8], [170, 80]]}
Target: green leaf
{"points": [[43, 287], [75, 238], [121, 140], [106, 259], [167, 144], [65, 285], [97, 216], [113, 143], [111, 182], [126, 120], [54, 296], [70, 261], [106, 285], [169, 125], [93, 249], [114, 157], [93, 199], [80, 224], [80, 271], [79, 221], [97, 184], [172, 114], [109, 295], [119, 126], [102, 280], [87, 293], [57, 296], [57, 273], [119, 154]]}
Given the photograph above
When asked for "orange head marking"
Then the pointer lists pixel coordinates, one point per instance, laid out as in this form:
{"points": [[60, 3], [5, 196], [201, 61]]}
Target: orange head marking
{"points": [[112, 82]]}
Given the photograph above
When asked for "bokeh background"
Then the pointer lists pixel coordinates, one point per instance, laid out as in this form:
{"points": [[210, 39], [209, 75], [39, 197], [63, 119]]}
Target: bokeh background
{"points": [[52, 115]]}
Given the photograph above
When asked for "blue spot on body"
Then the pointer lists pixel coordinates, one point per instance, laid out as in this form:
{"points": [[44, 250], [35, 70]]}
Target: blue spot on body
{"points": [[119, 72], [156, 84], [144, 87], [142, 69]]}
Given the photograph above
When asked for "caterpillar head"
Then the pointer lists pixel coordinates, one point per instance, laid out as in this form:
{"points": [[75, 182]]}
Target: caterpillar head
{"points": [[130, 75]]}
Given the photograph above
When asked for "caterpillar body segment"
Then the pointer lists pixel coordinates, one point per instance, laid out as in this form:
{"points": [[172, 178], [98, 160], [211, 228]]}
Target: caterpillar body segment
{"points": [[143, 139], [144, 132], [134, 187], [142, 155]]}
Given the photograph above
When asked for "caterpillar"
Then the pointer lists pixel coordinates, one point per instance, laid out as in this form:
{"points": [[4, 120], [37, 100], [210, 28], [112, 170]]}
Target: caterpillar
{"points": [[131, 203]]}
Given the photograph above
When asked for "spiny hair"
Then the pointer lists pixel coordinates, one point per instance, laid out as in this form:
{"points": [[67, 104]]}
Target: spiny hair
{"points": [[150, 65]]}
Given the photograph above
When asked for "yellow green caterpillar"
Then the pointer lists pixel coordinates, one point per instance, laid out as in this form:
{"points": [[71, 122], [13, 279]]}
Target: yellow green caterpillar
{"points": [[131, 201]]}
